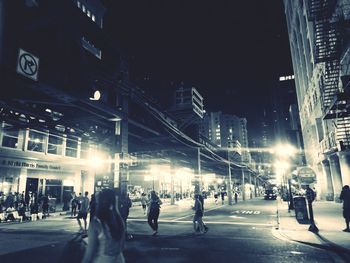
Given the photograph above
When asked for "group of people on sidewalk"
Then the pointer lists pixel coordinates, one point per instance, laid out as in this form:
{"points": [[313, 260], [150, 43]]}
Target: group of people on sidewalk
{"points": [[21, 207]]}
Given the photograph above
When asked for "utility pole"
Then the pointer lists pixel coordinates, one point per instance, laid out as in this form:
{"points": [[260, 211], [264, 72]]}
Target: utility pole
{"points": [[243, 184], [198, 182], [229, 188]]}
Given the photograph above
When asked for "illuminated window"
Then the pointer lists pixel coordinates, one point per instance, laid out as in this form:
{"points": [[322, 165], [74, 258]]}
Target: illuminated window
{"points": [[93, 17], [10, 136], [36, 141], [55, 145], [78, 4], [71, 148], [83, 8], [88, 13], [84, 150]]}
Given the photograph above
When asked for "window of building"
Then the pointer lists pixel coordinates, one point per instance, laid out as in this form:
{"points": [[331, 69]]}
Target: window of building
{"points": [[72, 147], [10, 136], [36, 141], [53, 189], [88, 13], [55, 145], [83, 8], [84, 150], [78, 4], [93, 18]]}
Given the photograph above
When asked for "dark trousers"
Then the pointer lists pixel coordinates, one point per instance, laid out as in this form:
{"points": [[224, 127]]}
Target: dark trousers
{"points": [[153, 220], [74, 210]]}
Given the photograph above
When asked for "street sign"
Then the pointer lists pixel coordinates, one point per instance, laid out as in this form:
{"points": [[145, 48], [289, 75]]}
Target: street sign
{"points": [[27, 64], [306, 175]]}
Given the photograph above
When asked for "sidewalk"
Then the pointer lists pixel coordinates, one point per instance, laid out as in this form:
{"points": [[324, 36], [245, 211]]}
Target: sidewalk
{"points": [[328, 219]]}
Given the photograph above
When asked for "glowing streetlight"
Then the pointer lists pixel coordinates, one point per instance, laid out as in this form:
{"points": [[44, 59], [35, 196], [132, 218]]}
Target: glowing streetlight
{"points": [[283, 153]]}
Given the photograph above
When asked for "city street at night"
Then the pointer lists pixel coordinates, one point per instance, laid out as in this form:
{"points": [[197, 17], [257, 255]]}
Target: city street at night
{"points": [[246, 232], [174, 131]]}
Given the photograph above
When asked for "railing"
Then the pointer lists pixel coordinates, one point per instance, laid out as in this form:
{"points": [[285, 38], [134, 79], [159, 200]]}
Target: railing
{"points": [[329, 143]]}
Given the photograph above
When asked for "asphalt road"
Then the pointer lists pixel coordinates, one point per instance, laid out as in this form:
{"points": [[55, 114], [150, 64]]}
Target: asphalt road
{"points": [[245, 232]]}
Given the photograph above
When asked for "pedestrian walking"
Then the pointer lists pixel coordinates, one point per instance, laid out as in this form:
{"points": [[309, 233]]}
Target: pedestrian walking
{"points": [[144, 203], [198, 214], [216, 195], [125, 204], [74, 204], [153, 212], [92, 207], [223, 197], [345, 197], [201, 199], [83, 211], [236, 197], [106, 231]]}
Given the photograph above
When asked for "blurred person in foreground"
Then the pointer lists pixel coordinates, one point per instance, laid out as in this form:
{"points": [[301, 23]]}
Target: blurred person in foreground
{"points": [[106, 235], [345, 197]]}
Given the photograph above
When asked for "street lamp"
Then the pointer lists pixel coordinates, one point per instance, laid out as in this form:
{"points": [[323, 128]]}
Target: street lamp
{"points": [[284, 152]]}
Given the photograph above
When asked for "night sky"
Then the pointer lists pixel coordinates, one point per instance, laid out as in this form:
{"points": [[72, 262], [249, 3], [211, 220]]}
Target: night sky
{"points": [[232, 51]]}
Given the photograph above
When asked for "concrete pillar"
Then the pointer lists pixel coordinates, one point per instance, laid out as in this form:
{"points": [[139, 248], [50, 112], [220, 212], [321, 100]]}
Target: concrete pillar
{"points": [[22, 180], [336, 176], [321, 186], [344, 160], [328, 186]]}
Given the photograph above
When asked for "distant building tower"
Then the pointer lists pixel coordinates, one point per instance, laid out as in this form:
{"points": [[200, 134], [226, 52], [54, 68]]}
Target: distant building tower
{"points": [[284, 95], [227, 131]]}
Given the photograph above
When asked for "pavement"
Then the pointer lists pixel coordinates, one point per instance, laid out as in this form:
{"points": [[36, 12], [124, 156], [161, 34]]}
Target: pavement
{"points": [[327, 214], [329, 221]]}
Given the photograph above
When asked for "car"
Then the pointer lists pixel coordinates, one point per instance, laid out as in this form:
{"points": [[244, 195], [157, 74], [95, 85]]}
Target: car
{"points": [[270, 195]]}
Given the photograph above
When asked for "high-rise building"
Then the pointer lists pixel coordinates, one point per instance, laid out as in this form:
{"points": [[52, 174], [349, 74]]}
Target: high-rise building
{"points": [[227, 131], [320, 54]]}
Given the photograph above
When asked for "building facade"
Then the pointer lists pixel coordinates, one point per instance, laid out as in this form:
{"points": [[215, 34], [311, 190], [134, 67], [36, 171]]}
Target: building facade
{"points": [[63, 108], [319, 45]]}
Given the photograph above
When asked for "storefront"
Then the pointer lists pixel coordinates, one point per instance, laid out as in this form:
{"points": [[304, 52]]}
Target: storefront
{"points": [[54, 178]]}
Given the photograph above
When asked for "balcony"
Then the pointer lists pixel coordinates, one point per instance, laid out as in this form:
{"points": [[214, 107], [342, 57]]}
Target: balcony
{"points": [[329, 143]]}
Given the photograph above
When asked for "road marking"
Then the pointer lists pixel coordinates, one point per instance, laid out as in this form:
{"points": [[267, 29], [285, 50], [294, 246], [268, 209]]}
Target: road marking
{"points": [[238, 217], [206, 222], [247, 212]]}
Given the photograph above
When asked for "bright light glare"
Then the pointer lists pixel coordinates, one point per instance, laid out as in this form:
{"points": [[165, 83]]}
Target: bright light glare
{"points": [[282, 165], [285, 150], [220, 181], [95, 161]]}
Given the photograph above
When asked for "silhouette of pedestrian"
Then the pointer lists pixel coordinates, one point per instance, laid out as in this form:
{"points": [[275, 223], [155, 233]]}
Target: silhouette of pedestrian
{"points": [[223, 197], [83, 211], [153, 212], [236, 197], [345, 197]]}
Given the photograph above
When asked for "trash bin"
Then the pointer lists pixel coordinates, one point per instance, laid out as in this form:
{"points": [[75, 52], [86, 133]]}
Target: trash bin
{"points": [[301, 213]]}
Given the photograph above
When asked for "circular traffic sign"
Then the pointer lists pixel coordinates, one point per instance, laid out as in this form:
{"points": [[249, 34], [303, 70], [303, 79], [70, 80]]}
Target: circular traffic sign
{"points": [[28, 64]]}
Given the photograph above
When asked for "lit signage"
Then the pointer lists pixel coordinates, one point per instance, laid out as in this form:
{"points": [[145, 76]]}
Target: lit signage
{"points": [[29, 164]]}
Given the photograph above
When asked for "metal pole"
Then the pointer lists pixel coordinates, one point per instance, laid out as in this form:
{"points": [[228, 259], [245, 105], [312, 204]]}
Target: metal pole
{"points": [[198, 186], [243, 185], [172, 202], [229, 184], [291, 201]]}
